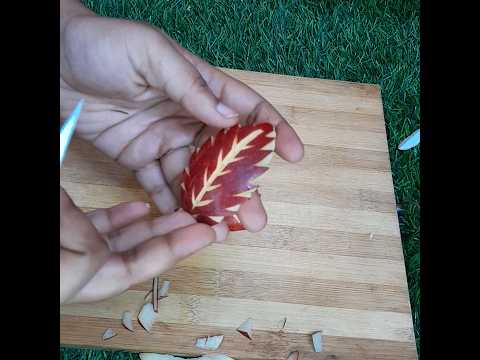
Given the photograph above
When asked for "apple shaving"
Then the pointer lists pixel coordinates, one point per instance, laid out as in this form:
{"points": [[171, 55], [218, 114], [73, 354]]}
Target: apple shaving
{"points": [[209, 342], [127, 320], [152, 356], [317, 341], [163, 293], [295, 355], [147, 316], [108, 334], [246, 329]]}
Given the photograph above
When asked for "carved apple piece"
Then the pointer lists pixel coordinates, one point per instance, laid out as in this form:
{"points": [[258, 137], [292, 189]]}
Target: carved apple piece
{"points": [[218, 178]]}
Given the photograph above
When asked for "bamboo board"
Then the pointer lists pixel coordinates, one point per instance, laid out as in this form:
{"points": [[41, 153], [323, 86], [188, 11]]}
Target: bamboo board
{"points": [[330, 258]]}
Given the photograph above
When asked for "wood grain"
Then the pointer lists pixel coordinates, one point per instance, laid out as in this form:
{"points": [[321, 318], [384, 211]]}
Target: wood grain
{"points": [[267, 345], [330, 258], [285, 289], [314, 265], [266, 315]]}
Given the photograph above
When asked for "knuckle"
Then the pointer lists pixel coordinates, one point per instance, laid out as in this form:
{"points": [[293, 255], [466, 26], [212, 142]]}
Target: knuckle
{"points": [[205, 231], [111, 240], [197, 86], [129, 258], [170, 248], [198, 82]]}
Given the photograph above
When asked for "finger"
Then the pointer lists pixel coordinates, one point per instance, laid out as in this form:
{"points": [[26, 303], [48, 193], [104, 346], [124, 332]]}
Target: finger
{"points": [[252, 214], [173, 165], [150, 259], [159, 254], [204, 135], [246, 101], [168, 70], [83, 251], [108, 220], [152, 180], [76, 232], [109, 281], [145, 150], [288, 145], [175, 162], [157, 140], [133, 235], [114, 139]]}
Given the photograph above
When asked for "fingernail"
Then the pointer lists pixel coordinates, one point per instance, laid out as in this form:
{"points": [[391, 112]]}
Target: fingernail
{"points": [[225, 111], [147, 205], [221, 232]]}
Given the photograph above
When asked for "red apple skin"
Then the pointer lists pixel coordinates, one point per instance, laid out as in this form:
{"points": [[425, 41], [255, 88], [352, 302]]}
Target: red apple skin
{"points": [[217, 180]]}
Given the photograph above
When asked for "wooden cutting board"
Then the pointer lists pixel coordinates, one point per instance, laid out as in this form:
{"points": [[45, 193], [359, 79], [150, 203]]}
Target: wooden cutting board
{"points": [[330, 258]]}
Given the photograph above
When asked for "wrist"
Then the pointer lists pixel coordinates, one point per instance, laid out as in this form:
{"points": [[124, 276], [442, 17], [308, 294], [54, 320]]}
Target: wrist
{"points": [[70, 9]]}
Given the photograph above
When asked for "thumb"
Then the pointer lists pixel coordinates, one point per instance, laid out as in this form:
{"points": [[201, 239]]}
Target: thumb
{"points": [[169, 71]]}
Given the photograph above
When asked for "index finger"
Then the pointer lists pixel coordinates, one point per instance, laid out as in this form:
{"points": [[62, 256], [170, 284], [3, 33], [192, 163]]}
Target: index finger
{"points": [[247, 101], [148, 259]]}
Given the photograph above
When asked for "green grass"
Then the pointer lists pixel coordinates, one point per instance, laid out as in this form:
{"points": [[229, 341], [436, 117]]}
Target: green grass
{"points": [[362, 41]]}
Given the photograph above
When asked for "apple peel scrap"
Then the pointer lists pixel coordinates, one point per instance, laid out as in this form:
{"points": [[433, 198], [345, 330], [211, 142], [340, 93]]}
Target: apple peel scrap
{"points": [[295, 355], [147, 316], [108, 334], [152, 356], [246, 329], [317, 341], [127, 320], [209, 342]]}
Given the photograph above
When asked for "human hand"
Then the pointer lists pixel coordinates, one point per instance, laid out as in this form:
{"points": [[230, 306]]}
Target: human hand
{"points": [[148, 100], [105, 252]]}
